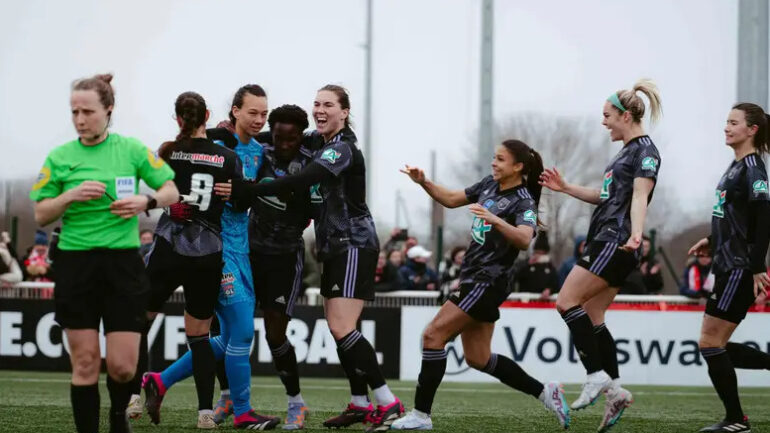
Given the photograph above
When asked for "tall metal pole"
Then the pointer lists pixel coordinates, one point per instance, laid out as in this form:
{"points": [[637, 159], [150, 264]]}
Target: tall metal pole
{"points": [[436, 216], [368, 104], [486, 121], [753, 52]]}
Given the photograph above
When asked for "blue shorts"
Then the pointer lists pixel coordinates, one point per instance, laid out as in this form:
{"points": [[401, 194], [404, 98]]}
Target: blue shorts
{"points": [[237, 283]]}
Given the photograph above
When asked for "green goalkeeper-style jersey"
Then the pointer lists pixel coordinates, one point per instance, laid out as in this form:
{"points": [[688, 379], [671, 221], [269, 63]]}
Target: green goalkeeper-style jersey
{"points": [[118, 162]]}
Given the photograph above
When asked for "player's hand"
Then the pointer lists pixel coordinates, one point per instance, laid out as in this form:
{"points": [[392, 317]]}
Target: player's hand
{"points": [[227, 125], [414, 173], [761, 282], [553, 180], [701, 248], [224, 189], [88, 190], [129, 207], [633, 243], [484, 213]]}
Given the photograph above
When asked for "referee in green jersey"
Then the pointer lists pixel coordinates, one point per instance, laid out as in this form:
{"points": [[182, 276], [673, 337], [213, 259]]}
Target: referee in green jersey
{"points": [[91, 183]]}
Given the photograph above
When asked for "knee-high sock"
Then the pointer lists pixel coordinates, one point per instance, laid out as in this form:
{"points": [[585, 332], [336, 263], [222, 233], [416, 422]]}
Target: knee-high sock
{"points": [[723, 378], [607, 350], [365, 359], [182, 368], [511, 374], [285, 361], [431, 373], [120, 394], [743, 356], [583, 336], [224, 384], [85, 407], [141, 364], [348, 361], [204, 369]]}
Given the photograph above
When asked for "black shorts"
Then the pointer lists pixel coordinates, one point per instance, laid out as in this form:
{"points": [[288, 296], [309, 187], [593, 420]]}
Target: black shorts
{"points": [[481, 300], [733, 295], [277, 280], [102, 284], [609, 262], [350, 275], [200, 277]]}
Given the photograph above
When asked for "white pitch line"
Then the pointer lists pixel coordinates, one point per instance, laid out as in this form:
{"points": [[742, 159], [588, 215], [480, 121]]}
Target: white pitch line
{"points": [[404, 389]]}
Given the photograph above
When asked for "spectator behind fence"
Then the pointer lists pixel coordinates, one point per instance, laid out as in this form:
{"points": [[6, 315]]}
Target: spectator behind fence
{"points": [[415, 274], [386, 278], [145, 242], [36, 264], [650, 269], [450, 275], [396, 258], [568, 264], [698, 281], [537, 274], [10, 271]]}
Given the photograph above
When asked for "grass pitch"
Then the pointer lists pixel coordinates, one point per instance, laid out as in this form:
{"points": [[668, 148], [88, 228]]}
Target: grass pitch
{"points": [[39, 402]]}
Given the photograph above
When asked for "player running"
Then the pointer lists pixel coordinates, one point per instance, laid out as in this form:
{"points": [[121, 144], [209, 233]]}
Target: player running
{"points": [[738, 242], [504, 205], [612, 248], [187, 250], [92, 184], [277, 249], [235, 308], [348, 247]]}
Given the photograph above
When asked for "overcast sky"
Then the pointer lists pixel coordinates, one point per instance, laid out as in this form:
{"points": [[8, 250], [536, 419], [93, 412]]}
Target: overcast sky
{"points": [[560, 57]]}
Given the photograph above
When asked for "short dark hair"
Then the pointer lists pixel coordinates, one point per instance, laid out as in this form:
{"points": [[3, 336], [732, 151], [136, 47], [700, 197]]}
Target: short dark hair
{"points": [[291, 114]]}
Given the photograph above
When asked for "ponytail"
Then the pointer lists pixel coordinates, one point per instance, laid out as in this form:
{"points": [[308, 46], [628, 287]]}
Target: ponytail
{"points": [[533, 165], [755, 115], [631, 102], [190, 109]]}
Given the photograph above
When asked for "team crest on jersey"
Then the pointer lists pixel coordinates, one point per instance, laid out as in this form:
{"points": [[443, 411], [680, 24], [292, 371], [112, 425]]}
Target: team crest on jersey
{"points": [[42, 178], [719, 207], [503, 203], [331, 155], [479, 230], [605, 193], [760, 186], [295, 167], [228, 284], [649, 163], [530, 216]]}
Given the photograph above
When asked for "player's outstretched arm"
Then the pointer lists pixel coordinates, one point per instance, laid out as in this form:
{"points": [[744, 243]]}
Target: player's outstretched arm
{"points": [[447, 197], [552, 179]]}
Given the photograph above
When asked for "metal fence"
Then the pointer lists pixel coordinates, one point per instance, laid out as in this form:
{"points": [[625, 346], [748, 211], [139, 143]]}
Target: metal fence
{"points": [[312, 296]]}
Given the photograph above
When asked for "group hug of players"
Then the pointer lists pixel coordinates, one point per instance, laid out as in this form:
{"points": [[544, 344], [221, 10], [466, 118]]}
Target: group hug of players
{"points": [[236, 203]]}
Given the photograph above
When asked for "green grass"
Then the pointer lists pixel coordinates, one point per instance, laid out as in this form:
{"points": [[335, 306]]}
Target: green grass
{"points": [[39, 402]]}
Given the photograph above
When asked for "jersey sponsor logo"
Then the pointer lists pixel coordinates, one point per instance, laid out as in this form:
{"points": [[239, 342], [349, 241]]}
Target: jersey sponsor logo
{"points": [[330, 155], [649, 163], [199, 158], [605, 193], [315, 195], [270, 200], [760, 186], [42, 178], [489, 203], [154, 159], [719, 208], [503, 203], [479, 230], [531, 216], [125, 186]]}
